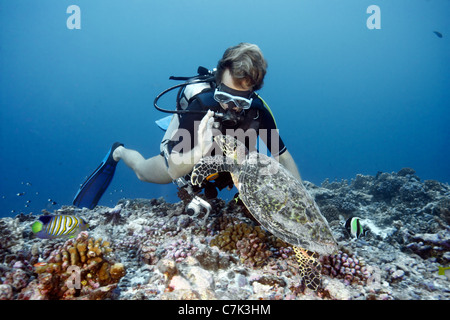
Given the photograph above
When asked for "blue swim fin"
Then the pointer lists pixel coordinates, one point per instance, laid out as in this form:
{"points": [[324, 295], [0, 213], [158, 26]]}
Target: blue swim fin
{"points": [[96, 184]]}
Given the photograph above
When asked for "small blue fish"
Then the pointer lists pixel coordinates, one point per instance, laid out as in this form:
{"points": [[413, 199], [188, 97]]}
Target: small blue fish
{"points": [[52, 227], [354, 227]]}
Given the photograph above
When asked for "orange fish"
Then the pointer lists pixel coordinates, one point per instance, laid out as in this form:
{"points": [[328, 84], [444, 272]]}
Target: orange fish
{"points": [[40, 264]]}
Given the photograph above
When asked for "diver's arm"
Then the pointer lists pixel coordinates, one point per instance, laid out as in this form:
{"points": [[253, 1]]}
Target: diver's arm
{"points": [[181, 164], [288, 162]]}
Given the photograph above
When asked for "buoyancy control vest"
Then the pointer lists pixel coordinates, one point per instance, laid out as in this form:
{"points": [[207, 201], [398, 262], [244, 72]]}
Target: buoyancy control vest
{"points": [[196, 88]]}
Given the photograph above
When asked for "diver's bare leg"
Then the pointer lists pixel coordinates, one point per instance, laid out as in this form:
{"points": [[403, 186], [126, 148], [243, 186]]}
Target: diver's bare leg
{"points": [[149, 170]]}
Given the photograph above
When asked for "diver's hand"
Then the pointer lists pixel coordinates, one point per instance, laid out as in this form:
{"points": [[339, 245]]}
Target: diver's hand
{"points": [[181, 163], [205, 135]]}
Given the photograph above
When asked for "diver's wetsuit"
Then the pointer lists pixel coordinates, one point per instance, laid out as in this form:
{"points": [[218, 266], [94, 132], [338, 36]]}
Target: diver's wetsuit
{"points": [[257, 117]]}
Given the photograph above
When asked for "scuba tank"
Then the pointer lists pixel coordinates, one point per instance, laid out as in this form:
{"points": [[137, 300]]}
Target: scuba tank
{"points": [[186, 91], [192, 86]]}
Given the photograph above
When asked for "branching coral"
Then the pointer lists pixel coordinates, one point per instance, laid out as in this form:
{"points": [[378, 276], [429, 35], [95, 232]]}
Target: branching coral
{"points": [[79, 269], [346, 266], [279, 248]]}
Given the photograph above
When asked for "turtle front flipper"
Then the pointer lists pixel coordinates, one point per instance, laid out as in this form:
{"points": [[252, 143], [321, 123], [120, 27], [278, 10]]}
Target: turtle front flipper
{"points": [[232, 148], [209, 167]]}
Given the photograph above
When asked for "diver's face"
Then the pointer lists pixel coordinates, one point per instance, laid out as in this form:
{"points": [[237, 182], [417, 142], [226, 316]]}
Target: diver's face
{"points": [[230, 82]]}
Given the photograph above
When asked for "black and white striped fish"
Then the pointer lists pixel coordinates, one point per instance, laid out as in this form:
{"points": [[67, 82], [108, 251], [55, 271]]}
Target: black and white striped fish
{"points": [[52, 227], [355, 228]]}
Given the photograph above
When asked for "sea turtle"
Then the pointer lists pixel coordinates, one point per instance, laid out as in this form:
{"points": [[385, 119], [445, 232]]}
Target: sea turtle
{"points": [[272, 194]]}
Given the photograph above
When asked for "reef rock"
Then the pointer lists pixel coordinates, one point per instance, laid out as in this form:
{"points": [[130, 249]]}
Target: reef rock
{"points": [[151, 249]]}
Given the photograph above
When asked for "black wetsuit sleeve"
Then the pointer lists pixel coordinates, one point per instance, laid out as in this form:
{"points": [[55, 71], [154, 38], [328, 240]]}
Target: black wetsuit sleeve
{"points": [[270, 134]]}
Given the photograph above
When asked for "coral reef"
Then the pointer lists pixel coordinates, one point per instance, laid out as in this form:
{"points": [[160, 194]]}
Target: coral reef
{"points": [[168, 254], [180, 250], [227, 239], [113, 216], [432, 245], [79, 269], [247, 241], [252, 250], [346, 266]]}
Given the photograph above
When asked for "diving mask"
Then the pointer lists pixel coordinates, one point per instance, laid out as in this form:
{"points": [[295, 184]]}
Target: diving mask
{"points": [[225, 95]]}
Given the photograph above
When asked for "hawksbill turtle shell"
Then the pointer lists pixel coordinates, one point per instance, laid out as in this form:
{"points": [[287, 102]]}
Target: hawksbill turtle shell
{"points": [[272, 194]]}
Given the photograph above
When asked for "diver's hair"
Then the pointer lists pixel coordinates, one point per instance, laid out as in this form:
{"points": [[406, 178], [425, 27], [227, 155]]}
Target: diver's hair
{"points": [[246, 64]]}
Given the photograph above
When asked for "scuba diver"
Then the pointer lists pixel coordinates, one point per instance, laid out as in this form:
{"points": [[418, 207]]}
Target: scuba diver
{"points": [[220, 102]]}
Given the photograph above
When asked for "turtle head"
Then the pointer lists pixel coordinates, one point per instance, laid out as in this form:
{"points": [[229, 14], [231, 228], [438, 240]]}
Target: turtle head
{"points": [[232, 148]]}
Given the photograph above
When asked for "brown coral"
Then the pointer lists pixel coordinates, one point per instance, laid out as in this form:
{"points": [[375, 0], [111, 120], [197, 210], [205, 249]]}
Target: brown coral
{"points": [[227, 239], [224, 221], [247, 241], [79, 269], [253, 250]]}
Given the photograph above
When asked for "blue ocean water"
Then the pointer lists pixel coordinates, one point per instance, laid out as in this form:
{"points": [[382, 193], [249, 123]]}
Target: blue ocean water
{"points": [[347, 99]]}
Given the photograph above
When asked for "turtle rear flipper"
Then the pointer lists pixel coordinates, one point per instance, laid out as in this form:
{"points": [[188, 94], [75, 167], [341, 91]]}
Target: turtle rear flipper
{"points": [[309, 268], [208, 167]]}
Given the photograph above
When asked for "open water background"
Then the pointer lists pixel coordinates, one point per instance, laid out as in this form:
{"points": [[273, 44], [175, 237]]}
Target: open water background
{"points": [[347, 99]]}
